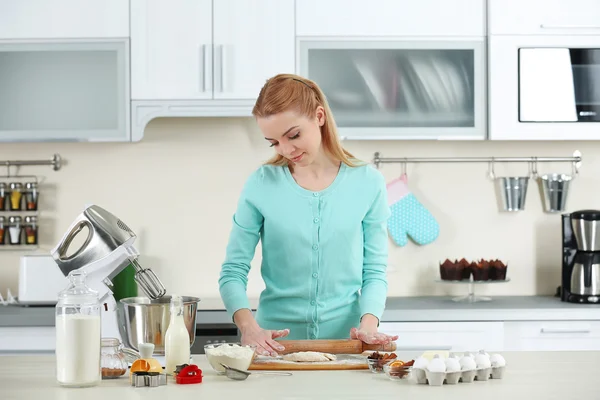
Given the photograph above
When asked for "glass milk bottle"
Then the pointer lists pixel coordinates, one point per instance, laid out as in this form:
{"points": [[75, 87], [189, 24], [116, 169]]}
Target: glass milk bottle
{"points": [[177, 338], [78, 334]]}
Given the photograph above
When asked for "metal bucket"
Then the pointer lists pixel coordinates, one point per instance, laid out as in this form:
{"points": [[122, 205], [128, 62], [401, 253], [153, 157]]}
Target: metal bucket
{"points": [[146, 321], [513, 191], [555, 188]]}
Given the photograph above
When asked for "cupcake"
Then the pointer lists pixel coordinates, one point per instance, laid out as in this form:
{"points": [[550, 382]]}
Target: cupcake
{"points": [[481, 270], [498, 270], [450, 271], [498, 366], [466, 269]]}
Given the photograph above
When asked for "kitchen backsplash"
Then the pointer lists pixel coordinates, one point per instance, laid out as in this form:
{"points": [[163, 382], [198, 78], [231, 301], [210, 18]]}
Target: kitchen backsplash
{"points": [[178, 189]]}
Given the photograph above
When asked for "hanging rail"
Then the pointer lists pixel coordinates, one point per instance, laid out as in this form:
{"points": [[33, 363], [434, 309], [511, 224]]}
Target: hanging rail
{"points": [[576, 159], [55, 162]]}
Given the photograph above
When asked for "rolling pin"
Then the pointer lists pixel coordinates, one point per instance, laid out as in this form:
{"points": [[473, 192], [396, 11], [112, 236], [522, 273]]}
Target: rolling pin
{"points": [[332, 346]]}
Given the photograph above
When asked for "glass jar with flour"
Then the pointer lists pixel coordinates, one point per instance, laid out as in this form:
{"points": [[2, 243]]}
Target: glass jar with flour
{"points": [[78, 334]]}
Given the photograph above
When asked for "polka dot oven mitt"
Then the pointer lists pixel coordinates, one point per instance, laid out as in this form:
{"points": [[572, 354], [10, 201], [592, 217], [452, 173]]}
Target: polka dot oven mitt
{"points": [[409, 216]]}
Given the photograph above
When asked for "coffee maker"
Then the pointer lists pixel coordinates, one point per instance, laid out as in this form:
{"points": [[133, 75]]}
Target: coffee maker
{"points": [[580, 282]]}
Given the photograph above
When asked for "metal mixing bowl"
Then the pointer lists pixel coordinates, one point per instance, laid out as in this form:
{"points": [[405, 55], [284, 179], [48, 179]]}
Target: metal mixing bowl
{"points": [[142, 320]]}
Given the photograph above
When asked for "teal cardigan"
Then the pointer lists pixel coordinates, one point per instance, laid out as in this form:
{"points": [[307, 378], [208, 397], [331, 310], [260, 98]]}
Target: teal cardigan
{"points": [[324, 254]]}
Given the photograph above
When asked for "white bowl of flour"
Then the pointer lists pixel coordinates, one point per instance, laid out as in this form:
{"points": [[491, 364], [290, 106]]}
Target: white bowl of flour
{"points": [[231, 354]]}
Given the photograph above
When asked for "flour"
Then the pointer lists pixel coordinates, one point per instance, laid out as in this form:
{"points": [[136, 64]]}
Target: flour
{"points": [[78, 349], [232, 355]]}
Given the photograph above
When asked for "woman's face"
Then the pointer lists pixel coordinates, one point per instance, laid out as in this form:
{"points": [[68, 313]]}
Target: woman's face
{"points": [[295, 137]]}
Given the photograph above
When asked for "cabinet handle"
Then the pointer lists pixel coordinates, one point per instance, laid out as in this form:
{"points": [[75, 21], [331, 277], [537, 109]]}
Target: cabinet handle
{"points": [[543, 26], [545, 330], [206, 67], [223, 69]]}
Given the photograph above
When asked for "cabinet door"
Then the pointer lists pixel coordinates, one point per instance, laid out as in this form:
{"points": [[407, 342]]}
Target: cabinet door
{"points": [[390, 18], [43, 19], [253, 40], [542, 17], [171, 49], [404, 89], [552, 336], [35, 339], [450, 336]]}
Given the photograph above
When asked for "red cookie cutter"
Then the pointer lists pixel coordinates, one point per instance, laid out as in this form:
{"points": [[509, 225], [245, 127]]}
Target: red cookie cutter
{"points": [[189, 374]]}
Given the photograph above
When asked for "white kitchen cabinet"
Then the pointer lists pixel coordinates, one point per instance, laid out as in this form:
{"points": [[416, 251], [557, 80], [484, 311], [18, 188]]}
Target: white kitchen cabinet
{"points": [[171, 49], [253, 41], [34, 339], [405, 18], [551, 335], [205, 49], [450, 336], [62, 19], [542, 17]]}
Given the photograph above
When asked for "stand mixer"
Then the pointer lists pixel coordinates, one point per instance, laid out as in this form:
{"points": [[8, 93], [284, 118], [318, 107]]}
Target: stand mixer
{"points": [[105, 252]]}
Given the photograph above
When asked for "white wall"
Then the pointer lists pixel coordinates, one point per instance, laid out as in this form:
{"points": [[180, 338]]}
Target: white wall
{"points": [[178, 188]]}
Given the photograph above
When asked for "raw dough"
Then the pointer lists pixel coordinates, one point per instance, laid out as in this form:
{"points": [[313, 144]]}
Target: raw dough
{"points": [[309, 356]]}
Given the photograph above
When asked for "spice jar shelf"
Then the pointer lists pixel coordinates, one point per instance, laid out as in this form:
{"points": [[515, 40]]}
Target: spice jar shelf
{"points": [[18, 247]]}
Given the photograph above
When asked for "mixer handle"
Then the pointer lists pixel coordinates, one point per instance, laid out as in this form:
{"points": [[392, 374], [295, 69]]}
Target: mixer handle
{"points": [[62, 249]]}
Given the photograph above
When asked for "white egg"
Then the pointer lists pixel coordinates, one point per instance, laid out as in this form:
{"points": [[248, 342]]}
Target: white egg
{"points": [[421, 363], [452, 364], [467, 363], [497, 360], [482, 360], [437, 365]]}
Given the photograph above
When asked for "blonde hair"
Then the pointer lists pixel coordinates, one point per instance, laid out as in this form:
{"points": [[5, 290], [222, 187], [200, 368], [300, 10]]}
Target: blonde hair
{"points": [[286, 92]]}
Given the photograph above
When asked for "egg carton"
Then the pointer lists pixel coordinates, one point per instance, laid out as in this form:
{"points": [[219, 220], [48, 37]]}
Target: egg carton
{"points": [[482, 372]]}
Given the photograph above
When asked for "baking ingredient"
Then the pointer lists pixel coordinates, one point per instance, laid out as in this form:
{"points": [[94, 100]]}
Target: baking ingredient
{"points": [[497, 361], [381, 359], [177, 338], [31, 235], [467, 363], [452, 364], [421, 362], [15, 200], [78, 349], [309, 356], [1, 235], [15, 234], [482, 360], [112, 372], [233, 355], [437, 364]]}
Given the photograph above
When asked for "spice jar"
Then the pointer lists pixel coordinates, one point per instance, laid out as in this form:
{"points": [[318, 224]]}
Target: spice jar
{"points": [[31, 230], [3, 196], [2, 230], [112, 362], [31, 196], [14, 230], [78, 334], [16, 193]]}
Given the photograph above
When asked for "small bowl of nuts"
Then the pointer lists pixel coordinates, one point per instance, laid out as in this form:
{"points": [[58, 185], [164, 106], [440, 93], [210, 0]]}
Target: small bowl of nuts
{"points": [[377, 360], [398, 369]]}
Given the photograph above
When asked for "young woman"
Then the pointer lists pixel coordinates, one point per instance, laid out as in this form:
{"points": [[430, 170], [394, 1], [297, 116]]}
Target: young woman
{"points": [[321, 217]]}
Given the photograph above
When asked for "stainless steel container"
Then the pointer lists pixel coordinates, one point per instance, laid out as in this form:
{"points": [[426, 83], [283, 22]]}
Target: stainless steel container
{"points": [[555, 188], [142, 320], [513, 191], [586, 226]]}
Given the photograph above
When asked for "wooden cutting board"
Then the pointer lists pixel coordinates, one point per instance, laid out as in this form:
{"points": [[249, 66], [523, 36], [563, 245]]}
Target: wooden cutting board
{"points": [[344, 362], [333, 346]]}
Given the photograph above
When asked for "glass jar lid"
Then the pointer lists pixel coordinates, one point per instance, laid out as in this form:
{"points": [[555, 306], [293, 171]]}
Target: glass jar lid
{"points": [[110, 342], [31, 219], [14, 220], [30, 185], [2, 185], [78, 293], [16, 185]]}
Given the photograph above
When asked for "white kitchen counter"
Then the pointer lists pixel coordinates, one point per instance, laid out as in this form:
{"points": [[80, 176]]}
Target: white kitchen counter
{"points": [[529, 375]]}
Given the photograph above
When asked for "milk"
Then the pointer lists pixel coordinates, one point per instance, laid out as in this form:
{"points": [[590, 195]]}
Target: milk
{"points": [[78, 349], [177, 338]]}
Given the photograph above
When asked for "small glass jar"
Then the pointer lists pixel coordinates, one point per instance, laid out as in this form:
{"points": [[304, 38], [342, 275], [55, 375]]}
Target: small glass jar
{"points": [[16, 194], [78, 333], [2, 230], [31, 230], [14, 230], [31, 196], [3, 196], [113, 361]]}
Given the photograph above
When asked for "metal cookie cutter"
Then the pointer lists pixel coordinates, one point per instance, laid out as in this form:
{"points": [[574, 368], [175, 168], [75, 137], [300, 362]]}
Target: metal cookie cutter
{"points": [[152, 379]]}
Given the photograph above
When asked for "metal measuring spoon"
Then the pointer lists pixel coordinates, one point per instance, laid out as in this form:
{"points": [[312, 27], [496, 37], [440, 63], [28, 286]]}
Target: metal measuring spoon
{"points": [[239, 375]]}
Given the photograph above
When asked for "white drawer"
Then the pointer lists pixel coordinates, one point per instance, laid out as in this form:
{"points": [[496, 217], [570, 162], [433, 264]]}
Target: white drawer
{"points": [[451, 336], [542, 17], [34, 338], [551, 335]]}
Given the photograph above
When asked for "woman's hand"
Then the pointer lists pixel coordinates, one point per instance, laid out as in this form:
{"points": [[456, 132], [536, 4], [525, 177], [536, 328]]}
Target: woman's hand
{"points": [[264, 340], [367, 332]]}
